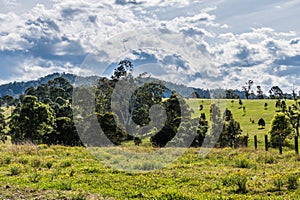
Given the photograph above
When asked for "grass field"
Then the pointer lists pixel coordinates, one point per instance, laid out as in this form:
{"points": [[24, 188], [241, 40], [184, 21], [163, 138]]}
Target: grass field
{"points": [[254, 110], [56, 172]]}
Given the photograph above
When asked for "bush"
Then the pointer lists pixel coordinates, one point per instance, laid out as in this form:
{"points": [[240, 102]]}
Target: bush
{"points": [[241, 181], [292, 181], [15, 170], [242, 163]]}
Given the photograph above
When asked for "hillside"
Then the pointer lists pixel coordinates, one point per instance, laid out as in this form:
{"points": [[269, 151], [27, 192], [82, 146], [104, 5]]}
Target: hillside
{"points": [[16, 88]]}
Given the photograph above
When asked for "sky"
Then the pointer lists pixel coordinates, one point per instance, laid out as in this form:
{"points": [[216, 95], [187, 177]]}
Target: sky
{"points": [[200, 43]]}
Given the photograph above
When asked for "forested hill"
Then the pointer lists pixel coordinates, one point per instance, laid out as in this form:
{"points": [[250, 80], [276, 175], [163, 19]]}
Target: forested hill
{"points": [[16, 88]]}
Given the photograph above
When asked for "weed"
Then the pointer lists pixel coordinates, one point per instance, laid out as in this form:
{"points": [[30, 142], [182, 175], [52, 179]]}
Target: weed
{"points": [[15, 170], [240, 180], [23, 160], [79, 196], [242, 163], [278, 181], [35, 177], [7, 160], [269, 159], [66, 185], [292, 181], [36, 162], [49, 164], [66, 164]]}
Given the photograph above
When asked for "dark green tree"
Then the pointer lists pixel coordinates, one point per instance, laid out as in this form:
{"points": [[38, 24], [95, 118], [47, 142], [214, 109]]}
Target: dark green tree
{"points": [[3, 124], [280, 127], [174, 119], [33, 121], [261, 123], [231, 131]]}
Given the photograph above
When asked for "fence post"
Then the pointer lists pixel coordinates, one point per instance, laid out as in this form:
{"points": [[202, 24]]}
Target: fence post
{"points": [[255, 142], [296, 145], [266, 142], [280, 144]]}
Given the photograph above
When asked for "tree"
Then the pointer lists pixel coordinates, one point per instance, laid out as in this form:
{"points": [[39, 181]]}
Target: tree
{"points": [[9, 100], [122, 69], [280, 127], [2, 126], [261, 123], [231, 131], [294, 92], [275, 93], [230, 94], [240, 103], [278, 105], [110, 128], [283, 106], [201, 131], [294, 115], [260, 93], [266, 106], [34, 121], [174, 120], [247, 88]]}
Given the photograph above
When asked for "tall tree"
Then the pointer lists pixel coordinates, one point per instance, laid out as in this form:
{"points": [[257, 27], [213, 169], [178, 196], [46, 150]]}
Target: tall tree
{"points": [[2, 126], [260, 93], [231, 131], [276, 93], [247, 88], [34, 121], [280, 127]]}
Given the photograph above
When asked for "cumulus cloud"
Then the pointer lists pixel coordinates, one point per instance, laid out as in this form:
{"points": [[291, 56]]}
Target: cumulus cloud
{"points": [[58, 36]]}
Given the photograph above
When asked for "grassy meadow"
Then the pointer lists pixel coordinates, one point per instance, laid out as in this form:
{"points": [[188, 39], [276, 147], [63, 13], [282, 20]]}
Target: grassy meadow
{"points": [[56, 172], [254, 110]]}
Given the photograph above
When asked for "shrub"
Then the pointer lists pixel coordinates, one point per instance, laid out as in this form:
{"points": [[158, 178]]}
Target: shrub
{"points": [[15, 170], [292, 181], [36, 162], [269, 160], [242, 163], [240, 180]]}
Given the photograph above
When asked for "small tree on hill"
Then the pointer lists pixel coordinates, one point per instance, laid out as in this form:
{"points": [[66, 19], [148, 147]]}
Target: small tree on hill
{"points": [[266, 106], [247, 88], [231, 131], [261, 123], [280, 127]]}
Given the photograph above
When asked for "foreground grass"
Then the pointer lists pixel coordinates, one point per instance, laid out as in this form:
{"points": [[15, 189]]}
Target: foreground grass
{"points": [[57, 172]]}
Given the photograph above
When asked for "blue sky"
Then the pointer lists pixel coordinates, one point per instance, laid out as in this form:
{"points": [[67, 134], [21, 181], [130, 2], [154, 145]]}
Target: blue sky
{"points": [[240, 40]]}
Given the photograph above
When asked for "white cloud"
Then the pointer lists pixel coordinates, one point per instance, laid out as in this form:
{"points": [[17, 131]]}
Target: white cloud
{"points": [[49, 34]]}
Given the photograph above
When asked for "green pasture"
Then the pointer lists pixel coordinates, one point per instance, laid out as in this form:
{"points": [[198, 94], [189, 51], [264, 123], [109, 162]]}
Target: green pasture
{"points": [[254, 110], [57, 172]]}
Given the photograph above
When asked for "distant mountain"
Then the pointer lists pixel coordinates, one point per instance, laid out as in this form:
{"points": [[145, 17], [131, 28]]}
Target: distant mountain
{"points": [[16, 88]]}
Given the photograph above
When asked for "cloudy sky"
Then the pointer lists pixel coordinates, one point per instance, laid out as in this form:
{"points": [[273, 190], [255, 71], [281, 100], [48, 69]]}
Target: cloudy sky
{"points": [[202, 43]]}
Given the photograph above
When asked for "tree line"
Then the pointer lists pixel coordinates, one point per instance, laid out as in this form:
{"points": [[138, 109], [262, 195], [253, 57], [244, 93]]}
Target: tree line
{"points": [[44, 114]]}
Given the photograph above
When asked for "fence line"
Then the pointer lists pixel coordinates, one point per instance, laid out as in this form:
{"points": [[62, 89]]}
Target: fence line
{"points": [[280, 144]]}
